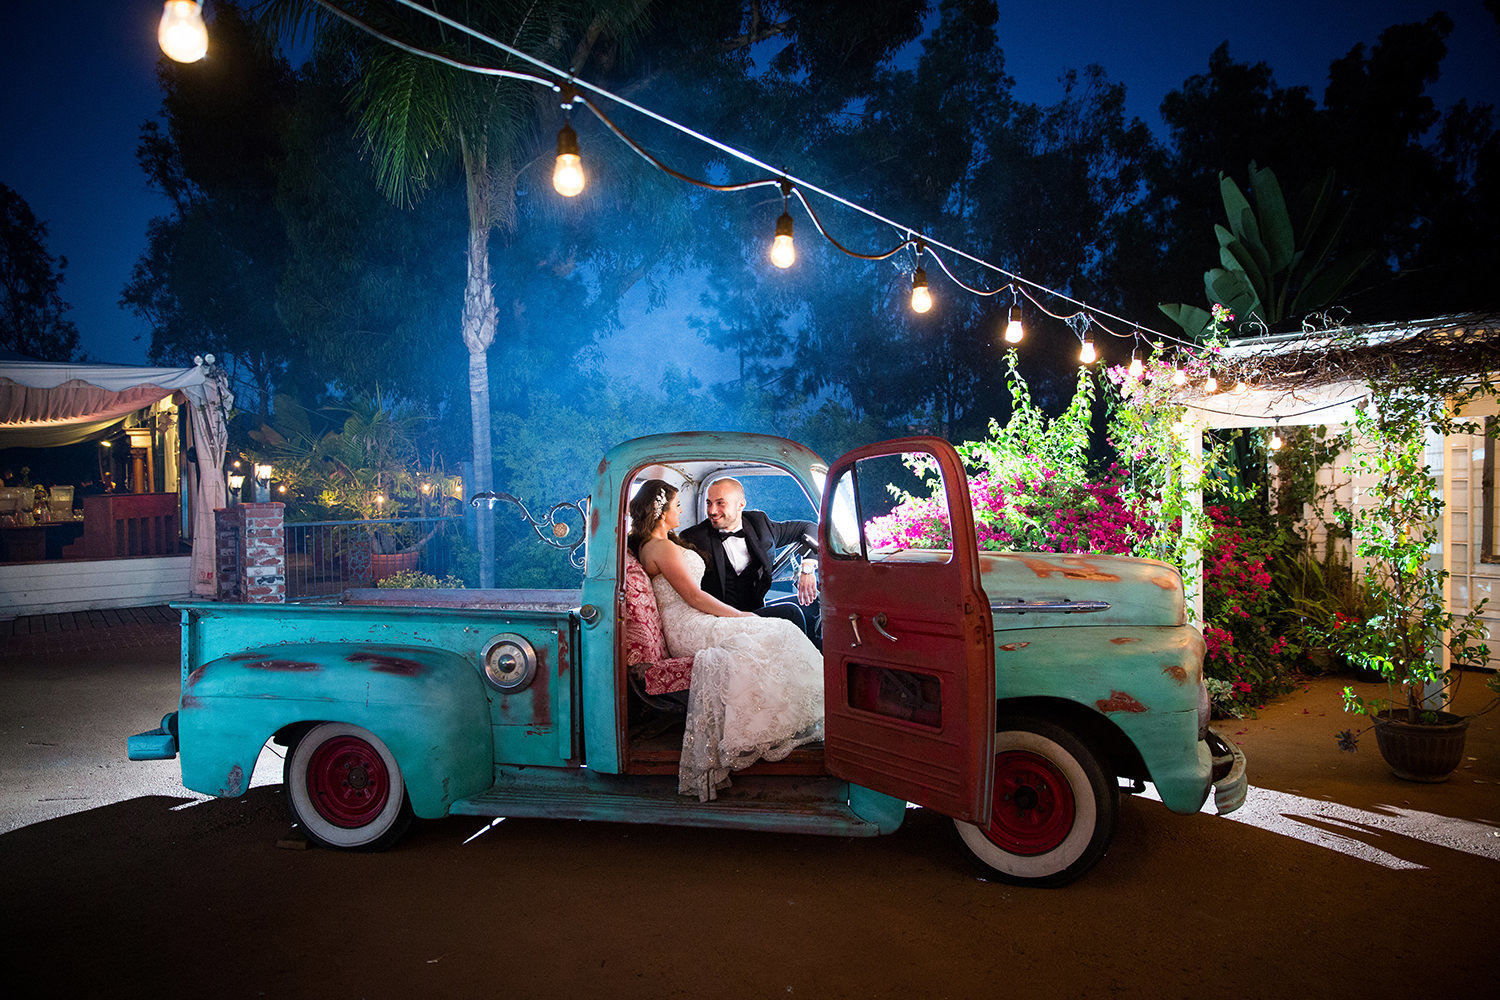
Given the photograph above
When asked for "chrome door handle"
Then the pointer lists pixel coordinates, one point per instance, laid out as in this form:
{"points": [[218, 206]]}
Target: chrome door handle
{"points": [[879, 623]]}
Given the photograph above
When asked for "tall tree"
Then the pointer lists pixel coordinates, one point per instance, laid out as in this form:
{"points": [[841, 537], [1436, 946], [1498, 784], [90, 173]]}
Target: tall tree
{"points": [[421, 118], [33, 318], [1413, 174], [208, 279], [366, 283]]}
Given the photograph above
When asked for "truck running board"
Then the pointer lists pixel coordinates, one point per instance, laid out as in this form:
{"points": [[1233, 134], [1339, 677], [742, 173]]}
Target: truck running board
{"points": [[817, 805]]}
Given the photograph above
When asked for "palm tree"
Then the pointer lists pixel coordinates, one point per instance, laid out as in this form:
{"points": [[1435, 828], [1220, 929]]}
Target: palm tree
{"points": [[421, 118]]}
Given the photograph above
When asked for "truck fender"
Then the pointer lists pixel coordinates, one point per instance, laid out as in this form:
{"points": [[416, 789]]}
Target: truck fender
{"points": [[428, 706]]}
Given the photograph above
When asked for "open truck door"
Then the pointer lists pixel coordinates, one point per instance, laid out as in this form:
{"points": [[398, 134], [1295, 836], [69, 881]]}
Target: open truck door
{"points": [[908, 644]]}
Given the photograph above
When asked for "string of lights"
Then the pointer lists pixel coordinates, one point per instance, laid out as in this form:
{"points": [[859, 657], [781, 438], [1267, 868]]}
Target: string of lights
{"points": [[792, 184], [569, 181]]}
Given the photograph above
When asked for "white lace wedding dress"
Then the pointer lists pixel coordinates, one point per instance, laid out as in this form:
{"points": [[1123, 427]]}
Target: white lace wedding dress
{"points": [[756, 693]]}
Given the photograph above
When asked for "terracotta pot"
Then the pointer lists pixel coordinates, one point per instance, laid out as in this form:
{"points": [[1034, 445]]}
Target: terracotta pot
{"points": [[384, 564], [1421, 752]]}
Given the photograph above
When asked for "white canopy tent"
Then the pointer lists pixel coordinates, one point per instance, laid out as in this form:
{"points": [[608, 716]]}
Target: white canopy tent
{"points": [[47, 404]]}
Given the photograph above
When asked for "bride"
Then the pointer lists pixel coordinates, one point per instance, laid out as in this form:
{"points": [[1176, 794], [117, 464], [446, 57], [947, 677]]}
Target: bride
{"points": [[757, 685]]}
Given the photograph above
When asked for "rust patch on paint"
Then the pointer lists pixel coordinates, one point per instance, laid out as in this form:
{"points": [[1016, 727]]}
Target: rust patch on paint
{"points": [[387, 664], [1119, 701], [1011, 647], [190, 701], [1071, 569], [563, 649], [1124, 639], [1165, 582], [291, 666], [195, 676], [1176, 671], [234, 783]]}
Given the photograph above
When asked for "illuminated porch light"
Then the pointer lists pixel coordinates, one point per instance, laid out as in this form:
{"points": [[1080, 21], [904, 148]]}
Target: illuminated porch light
{"points": [[567, 176], [921, 298], [181, 33], [1136, 369], [262, 482]]}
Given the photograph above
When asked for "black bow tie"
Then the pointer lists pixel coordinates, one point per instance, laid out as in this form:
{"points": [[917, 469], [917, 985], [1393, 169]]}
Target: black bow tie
{"points": [[737, 533]]}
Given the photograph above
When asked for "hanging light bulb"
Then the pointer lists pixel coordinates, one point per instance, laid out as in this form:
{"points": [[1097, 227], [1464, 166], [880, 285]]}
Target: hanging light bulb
{"points": [[1179, 376], [1275, 443], [567, 176], [1136, 369], [1211, 384], [921, 298], [1014, 331], [1088, 355], [783, 253], [181, 33]]}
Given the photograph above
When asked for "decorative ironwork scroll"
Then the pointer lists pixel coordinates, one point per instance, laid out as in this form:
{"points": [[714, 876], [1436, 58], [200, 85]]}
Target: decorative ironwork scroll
{"points": [[555, 530]]}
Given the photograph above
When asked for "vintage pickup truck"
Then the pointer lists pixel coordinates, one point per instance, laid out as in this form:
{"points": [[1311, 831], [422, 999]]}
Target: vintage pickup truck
{"points": [[1018, 693]]}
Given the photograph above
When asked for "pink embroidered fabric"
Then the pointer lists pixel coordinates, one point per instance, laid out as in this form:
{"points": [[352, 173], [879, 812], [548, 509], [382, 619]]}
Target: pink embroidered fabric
{"points": [[645, 647]]}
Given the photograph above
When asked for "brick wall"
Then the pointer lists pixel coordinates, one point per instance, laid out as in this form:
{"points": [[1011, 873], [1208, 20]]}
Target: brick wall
{"points": [[250, 541]]}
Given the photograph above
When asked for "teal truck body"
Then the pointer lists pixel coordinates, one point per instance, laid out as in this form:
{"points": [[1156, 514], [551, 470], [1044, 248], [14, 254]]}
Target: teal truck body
{"points": [[1018, 693]]}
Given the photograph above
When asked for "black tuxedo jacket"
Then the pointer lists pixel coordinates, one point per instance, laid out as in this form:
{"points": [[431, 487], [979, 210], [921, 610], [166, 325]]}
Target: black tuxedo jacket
{"points": [[762, 537]]}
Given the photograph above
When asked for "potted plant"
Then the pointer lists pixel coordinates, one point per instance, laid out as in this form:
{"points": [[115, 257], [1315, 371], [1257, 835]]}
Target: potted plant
{"points": [[361, 460], [1408, 622]]}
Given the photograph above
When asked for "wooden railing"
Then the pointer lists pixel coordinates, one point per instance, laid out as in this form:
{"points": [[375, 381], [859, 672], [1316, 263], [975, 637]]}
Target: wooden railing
{"points": [[130, 524]]}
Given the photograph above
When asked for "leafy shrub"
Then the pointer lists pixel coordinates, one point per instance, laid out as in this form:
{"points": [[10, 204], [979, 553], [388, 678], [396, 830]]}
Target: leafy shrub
{"points": [[415, 579]]}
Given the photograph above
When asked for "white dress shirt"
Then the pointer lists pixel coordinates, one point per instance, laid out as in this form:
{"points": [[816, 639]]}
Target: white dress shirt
{"points": [[737, 552]]}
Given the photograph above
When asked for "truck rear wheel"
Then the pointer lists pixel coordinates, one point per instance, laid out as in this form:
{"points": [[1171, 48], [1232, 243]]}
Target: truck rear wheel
{"points": [[345, 788], [1053, 809]]}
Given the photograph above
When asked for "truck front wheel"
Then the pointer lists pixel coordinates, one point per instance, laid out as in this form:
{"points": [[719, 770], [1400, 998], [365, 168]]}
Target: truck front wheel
{"points": [[1053, 808], [345, 788]]}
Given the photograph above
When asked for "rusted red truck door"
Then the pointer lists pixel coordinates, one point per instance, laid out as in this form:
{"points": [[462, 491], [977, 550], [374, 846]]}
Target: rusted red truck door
{"points": [[908, 648]]}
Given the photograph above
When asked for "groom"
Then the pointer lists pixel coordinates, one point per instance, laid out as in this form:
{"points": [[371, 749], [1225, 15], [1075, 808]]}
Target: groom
{"points": [[739, 544]]}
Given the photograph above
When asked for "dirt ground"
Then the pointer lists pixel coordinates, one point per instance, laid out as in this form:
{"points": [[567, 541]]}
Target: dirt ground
{"points": [[1336, 879]]}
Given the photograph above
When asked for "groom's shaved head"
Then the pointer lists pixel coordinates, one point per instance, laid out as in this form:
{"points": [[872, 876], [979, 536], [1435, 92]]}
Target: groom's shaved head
{"points": [[726, 501]]}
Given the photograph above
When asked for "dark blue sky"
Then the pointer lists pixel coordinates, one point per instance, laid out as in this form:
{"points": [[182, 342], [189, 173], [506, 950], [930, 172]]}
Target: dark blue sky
{"points": [[79, 78]]}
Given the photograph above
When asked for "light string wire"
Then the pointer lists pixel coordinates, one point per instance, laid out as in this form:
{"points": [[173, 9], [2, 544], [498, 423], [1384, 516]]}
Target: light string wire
{"points": [[559, 79], [1364, 398]]}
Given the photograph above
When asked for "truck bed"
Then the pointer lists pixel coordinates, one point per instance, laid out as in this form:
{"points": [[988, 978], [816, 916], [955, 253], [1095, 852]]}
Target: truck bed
{"points": [[488, 600]]}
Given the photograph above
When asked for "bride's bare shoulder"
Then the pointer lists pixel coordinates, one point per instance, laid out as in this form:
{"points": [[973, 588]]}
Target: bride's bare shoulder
{"points": [[655, 552]]}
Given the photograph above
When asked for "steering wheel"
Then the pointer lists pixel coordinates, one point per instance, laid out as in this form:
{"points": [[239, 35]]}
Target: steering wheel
{"points": [[797, 550]]}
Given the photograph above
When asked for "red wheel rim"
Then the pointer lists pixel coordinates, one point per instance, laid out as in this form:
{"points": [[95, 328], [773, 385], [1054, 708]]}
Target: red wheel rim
{"points": [[1032, 811], [348, 782]]}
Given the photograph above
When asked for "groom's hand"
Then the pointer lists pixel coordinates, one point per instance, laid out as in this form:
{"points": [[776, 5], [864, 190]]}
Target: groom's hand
{"points": [[807, 582]]}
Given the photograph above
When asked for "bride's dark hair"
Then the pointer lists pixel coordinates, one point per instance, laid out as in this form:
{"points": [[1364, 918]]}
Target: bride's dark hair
{"points": [[647, 508]]}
